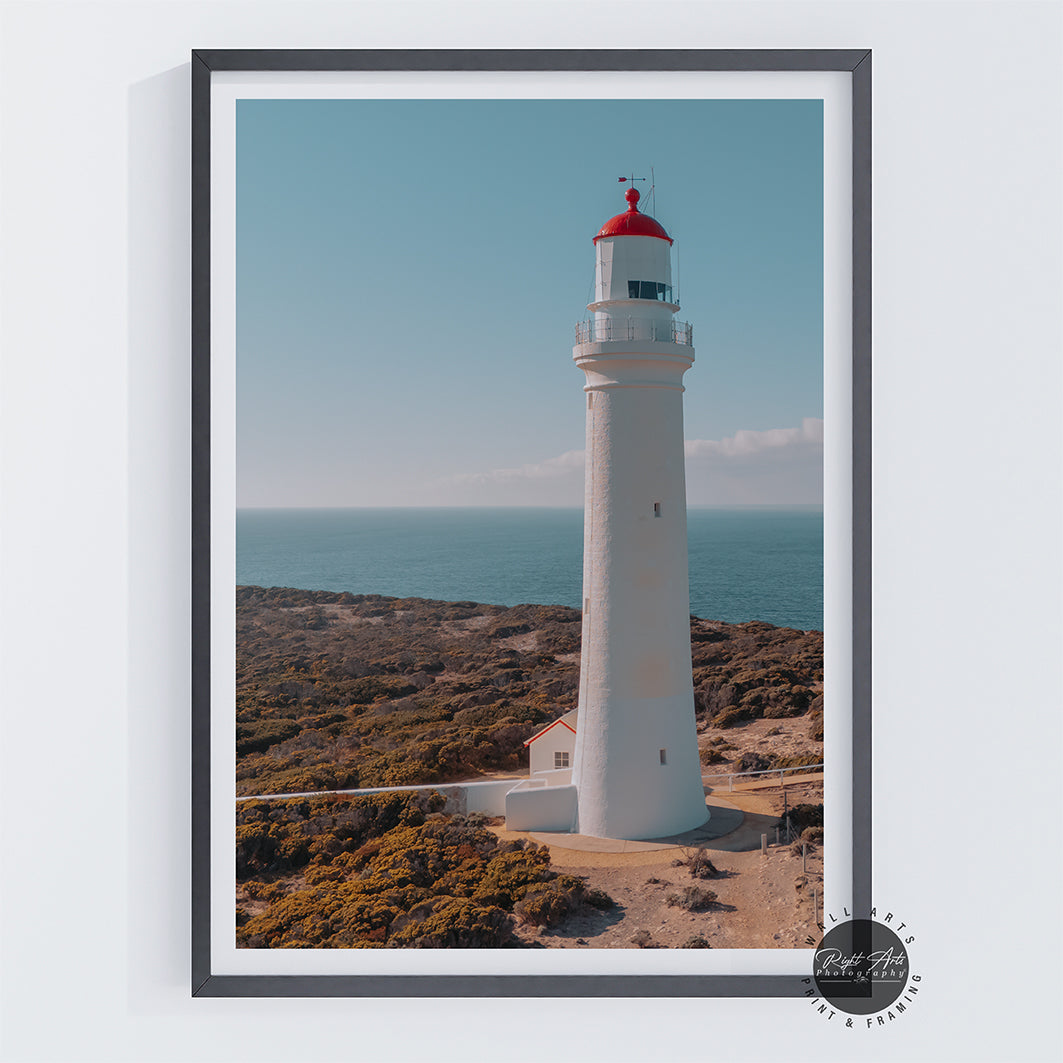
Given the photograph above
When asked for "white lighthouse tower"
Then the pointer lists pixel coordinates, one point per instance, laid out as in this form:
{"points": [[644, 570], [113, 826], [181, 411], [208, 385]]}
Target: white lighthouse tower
{"points": [[636, 769]]}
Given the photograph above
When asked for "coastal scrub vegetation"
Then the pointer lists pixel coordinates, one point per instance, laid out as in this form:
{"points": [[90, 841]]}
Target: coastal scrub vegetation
{"points": [[389, 871], [340, 691], [805, 816], [692, 898]]}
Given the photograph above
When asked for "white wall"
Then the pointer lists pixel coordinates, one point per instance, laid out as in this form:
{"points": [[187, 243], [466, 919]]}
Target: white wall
{"points": [[549, 808], [489, 798], [95, 518]]}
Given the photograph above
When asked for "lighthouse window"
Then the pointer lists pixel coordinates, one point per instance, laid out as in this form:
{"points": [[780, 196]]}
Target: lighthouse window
{"points": [[649, 290], [664, 757], [656, 509]]}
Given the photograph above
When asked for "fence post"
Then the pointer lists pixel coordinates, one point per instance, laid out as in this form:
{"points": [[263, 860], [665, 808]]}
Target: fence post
{"points": [[730, 783], [804, 853], [815, 906], [763, 845]]}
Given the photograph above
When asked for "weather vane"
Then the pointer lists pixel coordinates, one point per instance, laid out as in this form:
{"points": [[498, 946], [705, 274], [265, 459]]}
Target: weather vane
{"points": [[632, 179]]}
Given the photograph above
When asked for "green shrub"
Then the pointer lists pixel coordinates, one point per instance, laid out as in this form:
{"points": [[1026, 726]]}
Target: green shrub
{"points": [[287, 834], [387, 871], [508, 876], [798, 760], [697, 862], [804, 815], [815, 727], [692, 899], [599, 899], [256, 737], [712, 756], [545, 905], [458, 923], [696, 942], [735, 715], [752, 761]]}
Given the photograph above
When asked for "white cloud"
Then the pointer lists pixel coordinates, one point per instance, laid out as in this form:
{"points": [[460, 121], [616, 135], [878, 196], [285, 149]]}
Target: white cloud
{"points": [[747, 443], [777, 465], [781, 466], [563, 465]]}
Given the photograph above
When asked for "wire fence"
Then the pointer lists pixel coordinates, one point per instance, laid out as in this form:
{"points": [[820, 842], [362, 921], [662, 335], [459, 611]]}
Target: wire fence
{"points": [[730, 776]]}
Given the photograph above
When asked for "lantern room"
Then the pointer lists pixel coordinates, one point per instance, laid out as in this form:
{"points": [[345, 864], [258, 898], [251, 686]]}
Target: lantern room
{"points": [[633, 259]]}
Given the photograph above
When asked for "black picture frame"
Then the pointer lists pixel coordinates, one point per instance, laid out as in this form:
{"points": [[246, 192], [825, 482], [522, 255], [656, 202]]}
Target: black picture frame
{"points": [[204, 65]]}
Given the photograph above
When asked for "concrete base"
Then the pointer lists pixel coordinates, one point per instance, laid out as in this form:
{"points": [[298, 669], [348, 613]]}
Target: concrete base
{"points": [[585, 843], [723, 819]]}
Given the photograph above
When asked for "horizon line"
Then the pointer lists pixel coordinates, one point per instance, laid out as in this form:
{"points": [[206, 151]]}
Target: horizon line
{"points": [[517, 505]]}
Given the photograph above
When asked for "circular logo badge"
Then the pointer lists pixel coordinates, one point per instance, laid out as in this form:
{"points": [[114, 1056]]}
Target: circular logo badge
{"points": [[861, 967]]}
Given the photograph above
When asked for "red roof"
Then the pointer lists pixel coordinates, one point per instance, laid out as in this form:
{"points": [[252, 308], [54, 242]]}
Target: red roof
{"points": [[550, 727], [632, 223]]}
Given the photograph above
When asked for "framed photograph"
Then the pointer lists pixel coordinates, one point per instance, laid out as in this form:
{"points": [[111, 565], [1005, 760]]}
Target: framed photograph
{"points": [[531, 520]]}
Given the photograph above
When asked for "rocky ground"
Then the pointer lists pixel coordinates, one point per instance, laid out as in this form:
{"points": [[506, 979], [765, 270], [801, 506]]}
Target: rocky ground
{"points": [[761, 901]]}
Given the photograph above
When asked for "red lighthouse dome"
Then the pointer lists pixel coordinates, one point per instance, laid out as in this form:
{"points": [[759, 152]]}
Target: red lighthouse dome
{"points": [[632, 222]]}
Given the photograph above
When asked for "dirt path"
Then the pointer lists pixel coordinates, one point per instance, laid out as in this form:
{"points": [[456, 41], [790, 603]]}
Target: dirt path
{"points": [[762, 901]]}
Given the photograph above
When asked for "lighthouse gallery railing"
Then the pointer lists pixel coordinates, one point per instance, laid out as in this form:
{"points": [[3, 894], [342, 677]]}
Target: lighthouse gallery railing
{"points": [[635, 328]]}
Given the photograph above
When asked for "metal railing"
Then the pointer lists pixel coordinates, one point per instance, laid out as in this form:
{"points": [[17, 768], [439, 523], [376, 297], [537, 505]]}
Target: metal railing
{"points": [[730, 776], [635, 328]]}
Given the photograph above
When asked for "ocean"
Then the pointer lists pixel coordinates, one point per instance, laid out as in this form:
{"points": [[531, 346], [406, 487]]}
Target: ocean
{"points": [[746, 563]]}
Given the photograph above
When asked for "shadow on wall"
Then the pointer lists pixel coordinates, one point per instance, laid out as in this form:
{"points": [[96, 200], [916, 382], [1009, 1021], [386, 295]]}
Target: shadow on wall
{"points": [[158, 198]]}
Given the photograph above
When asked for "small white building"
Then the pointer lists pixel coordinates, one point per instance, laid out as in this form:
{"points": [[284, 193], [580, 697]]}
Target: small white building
{"points": [[546, 800], [551, 749]]}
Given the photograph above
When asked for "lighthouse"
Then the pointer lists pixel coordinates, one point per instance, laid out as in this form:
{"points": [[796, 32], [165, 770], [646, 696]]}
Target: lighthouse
{"points": [[635, 772], [635, 769]]}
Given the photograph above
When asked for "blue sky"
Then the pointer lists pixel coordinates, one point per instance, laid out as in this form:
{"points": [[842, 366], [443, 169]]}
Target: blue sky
{"points": [[409, 274]]}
